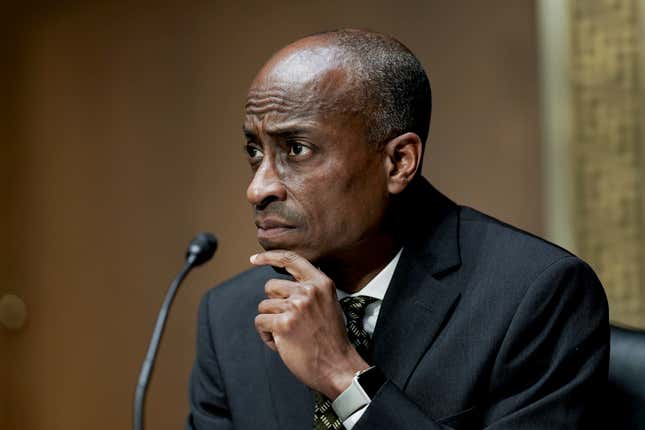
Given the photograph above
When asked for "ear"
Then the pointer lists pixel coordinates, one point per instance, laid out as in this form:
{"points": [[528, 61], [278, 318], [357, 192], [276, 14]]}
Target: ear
{"points": [[402, 160]]}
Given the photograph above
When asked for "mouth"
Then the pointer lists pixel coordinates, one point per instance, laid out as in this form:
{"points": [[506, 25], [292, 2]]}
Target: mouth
{"points": [[272, 228]]}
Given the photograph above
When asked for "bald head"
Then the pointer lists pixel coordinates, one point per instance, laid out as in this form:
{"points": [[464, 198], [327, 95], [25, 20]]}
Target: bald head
{"points": [[353, 71], [306, 77]]}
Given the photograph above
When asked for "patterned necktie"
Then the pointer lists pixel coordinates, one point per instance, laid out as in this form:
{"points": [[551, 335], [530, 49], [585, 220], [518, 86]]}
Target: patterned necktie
{"points": [[354, 309]]}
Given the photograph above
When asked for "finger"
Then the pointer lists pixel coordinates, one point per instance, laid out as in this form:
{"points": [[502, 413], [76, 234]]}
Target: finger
{"points": [[265, 323], [269, 341], [273, 306], [281, 288], [299, 267]]}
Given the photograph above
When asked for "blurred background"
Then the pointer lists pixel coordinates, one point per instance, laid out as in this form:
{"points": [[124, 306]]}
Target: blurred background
{"points": [[121, 139]]}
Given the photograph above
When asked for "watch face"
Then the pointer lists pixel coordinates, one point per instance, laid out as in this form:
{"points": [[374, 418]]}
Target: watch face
{"points": [[371, 381]]}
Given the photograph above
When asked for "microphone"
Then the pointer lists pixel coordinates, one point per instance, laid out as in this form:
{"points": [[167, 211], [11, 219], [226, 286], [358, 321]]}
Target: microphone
{"points": [[200, 250]]}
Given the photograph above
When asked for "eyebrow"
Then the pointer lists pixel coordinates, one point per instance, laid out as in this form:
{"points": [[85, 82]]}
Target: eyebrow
{"points": [[279, 130]]}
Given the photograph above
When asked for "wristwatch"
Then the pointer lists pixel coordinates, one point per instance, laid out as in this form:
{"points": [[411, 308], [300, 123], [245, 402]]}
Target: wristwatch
{"points": [[364, 387]]}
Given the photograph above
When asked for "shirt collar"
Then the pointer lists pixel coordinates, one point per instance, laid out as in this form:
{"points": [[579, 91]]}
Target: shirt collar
{"points": [[377, 287]]}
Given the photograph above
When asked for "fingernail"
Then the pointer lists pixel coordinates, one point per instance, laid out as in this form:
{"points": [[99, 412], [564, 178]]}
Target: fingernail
{"points": [[252, 258]]}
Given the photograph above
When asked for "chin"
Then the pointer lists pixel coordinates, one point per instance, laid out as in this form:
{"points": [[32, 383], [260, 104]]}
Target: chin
{"points": [[273, 244], [297, 247]]}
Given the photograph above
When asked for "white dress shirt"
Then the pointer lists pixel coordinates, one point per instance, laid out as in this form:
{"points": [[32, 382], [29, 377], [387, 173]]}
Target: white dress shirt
{"points": [[376, 288]]}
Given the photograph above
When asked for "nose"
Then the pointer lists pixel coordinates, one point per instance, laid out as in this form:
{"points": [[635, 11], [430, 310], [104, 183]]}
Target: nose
{"points": [[265, 186]]}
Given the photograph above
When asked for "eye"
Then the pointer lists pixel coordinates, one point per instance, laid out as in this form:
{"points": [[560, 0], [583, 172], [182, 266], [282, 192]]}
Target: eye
{"points": [[253, 152], [296, 149]]}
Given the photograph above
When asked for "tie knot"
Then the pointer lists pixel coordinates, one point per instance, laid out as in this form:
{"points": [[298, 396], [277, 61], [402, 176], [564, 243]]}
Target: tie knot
{"points": [[354, 306]]}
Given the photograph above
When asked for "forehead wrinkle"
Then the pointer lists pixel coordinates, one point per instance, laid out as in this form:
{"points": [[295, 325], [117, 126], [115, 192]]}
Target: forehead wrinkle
{"points": [[290, 125], [275, 102], [262, 101], [257, 95], [317, 97]]}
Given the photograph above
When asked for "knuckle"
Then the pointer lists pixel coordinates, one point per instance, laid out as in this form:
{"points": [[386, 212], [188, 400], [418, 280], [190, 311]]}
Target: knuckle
{"points": [[309, 289], [286, 323], [271, 286], [322, 287], [295, 304], [326, 284], [288, 257], [261, 306], [300, 303]]}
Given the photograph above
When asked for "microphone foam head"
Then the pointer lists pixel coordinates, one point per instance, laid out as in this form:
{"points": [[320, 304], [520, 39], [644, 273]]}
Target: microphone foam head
{"points": [[201, 248]]}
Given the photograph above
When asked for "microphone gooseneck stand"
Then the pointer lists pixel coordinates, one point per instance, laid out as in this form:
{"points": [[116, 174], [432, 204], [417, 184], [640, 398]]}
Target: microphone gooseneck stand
{"points": [[200, 250]]}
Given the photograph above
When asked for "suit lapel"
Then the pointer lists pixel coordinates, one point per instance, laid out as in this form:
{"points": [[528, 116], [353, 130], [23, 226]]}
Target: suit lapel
{"points": [[418, 304], [415, 309]]}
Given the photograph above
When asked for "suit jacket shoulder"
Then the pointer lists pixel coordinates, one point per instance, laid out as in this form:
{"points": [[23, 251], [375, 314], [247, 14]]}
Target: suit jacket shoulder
{"points": [[491, 232], [501, 249], [514, 260]]}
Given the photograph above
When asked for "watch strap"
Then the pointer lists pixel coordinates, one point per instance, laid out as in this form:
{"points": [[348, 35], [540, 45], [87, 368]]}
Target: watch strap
{"points": [[356, 396], [371, 380]]}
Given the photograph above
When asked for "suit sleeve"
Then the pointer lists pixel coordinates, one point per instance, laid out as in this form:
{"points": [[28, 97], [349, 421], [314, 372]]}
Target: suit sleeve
{"points": [[550, 370], [208, 402]]}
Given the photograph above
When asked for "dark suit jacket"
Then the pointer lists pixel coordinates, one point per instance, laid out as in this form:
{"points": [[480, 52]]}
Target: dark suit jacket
{"points": [[483, 326]]}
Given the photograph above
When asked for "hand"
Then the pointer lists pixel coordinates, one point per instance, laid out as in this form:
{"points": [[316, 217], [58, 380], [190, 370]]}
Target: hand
{"points": [[303, 322]]}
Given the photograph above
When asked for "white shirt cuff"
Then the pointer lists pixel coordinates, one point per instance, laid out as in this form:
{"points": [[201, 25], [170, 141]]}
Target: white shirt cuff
{"points": [[351, 420]]}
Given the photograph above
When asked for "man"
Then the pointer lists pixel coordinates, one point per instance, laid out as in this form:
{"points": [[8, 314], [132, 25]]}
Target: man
{"points": [[447, 317]]}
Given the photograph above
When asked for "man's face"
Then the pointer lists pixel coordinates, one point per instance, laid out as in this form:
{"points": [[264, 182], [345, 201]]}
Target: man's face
{"points": [[318, 187]]}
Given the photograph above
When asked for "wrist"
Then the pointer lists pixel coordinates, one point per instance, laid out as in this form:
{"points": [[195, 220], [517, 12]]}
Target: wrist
{"points": [[343, 377]]}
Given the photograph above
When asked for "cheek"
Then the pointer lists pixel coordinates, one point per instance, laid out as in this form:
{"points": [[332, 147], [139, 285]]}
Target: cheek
{"points": [[348, 203]]}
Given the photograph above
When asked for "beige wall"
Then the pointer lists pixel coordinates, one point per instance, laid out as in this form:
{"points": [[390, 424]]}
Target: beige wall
{"points": [[128, 143]]}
